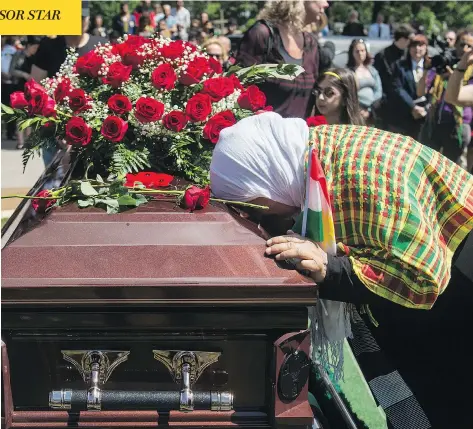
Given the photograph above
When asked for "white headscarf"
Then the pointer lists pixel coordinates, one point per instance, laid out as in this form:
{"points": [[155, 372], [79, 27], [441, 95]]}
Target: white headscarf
{"points": [[261, 156]]}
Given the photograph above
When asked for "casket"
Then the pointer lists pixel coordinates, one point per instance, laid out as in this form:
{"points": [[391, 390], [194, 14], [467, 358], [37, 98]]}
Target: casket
{"points": [[155, 316]]}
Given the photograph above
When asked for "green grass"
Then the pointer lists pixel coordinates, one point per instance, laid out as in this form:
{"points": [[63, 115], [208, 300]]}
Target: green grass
{"points": [[4, 220]]}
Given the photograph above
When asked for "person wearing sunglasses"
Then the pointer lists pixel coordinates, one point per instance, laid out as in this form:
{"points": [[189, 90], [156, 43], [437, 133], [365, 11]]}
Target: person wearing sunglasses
{"points": [[215, 49]]}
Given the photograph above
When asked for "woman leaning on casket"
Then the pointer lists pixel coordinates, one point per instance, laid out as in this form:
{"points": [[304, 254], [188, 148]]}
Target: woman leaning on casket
{"points": [[403, 216]]}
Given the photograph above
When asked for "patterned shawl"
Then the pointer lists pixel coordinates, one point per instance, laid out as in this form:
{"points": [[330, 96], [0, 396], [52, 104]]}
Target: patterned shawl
{"points": [[400, 210]]}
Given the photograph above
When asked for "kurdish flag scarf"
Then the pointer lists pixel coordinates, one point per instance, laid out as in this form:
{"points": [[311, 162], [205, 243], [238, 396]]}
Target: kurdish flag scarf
{"points": [[329, 320]]}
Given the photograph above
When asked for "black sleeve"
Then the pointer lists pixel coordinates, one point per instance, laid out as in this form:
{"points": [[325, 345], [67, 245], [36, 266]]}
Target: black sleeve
{"points": [[342, 284], [327, 54], [43, 57]]}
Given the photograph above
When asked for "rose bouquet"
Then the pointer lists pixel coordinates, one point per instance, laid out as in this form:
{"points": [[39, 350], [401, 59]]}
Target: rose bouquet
{"points": [[143, 104]]}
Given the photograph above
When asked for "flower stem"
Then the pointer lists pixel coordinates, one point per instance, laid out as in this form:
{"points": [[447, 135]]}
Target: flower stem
{"points": [[28, 197]]}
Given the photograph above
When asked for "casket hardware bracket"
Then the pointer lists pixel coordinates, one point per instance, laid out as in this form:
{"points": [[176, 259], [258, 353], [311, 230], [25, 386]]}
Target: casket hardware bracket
{"points": [[95, 367], [186, 367]]}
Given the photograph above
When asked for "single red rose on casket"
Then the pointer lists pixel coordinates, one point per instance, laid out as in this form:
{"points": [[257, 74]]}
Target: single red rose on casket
{"points": [[199, 107], [196, 198], [266, 109], [119, 104], [78, 133], [148, 109], [42, 205], [175, 121], [79, 100], [89, 64], [252, 99], [114, 128], [217, 123], [41, 104], [218, 88], [62, 90], [164, 77], [18, 100], [195, 71], [32, 86], [314, 121], [149, 179], [215, 65], [173, 50], [117, 74]]}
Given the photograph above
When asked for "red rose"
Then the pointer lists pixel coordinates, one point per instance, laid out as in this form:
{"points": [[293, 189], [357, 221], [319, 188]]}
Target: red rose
{"points": [[252, 99], [89, 64], [195, 71], [149, 179], [148, 110], [215, 65], [117, 74], [18, 100], [216, 124], [173, 50], [133, 57], [119, 104], [218, 88], [315, 121], [42, 205], [78, 133], [79, 100], [175, 121], [62, 90], [41, 104], [196, 198], [236, 82], [164, 77], [199, 107], [136, 41], [32, 86], [114, 128]]}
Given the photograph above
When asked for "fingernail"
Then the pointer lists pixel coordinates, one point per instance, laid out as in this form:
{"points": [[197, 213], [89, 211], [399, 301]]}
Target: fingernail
{"points": [[268, 251], [278, 256], [269, 242]]}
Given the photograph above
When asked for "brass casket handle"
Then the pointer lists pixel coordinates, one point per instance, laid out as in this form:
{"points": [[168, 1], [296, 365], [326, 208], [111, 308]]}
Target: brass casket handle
{"points": [[97, 366]]}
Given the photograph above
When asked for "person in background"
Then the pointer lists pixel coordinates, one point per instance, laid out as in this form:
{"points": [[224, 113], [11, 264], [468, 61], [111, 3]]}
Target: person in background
{"points": [[354, 27], [451, 38], [208, 30], [370, 90], [232, 27], [98, 28], [407, 115], [163, 29], [379, 30], [195, 37], [450, 126], [8, 86], [113, 37], [195, 24], [215, 49], [204, 18], [20, 70], [144, 9], [183, 16], [124, 22], [171, 21], [145, 29], [181, 33], [336, 97], [53, 52], [277, 37], [158, 13], [384, 62]]}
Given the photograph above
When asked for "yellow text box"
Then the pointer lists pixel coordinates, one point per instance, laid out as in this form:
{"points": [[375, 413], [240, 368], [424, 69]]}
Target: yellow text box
{"points": [[36, 18]]}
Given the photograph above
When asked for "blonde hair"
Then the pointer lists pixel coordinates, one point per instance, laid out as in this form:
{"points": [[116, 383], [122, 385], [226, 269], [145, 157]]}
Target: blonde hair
{"points": [[214, 41], [285, 12]]}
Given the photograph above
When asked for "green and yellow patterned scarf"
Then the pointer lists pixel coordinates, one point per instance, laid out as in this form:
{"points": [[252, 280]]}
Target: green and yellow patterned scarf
{"points": [[400, 210]]}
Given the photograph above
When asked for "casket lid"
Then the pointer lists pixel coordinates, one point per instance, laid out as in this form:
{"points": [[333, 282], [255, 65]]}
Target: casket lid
{"points": [[154, 255]]}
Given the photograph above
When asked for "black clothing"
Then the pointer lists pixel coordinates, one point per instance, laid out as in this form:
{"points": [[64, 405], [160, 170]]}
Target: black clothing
{"points": [[22, 63], [354, 29], [53, 52], [384, 62]]}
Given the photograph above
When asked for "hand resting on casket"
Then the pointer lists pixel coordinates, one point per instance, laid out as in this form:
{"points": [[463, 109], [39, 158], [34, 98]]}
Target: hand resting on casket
{"points": [[311, 257]]}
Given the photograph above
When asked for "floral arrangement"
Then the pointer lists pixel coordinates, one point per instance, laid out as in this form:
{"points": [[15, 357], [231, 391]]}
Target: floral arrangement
{"points": [[142, 104]]}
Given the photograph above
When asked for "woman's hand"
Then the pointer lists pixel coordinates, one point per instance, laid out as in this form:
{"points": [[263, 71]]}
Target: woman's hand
{"points": [[312, 257], [467, 59]]}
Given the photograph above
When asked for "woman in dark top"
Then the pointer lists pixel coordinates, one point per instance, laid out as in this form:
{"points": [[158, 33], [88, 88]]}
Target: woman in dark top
{"points": [[278, 38]]}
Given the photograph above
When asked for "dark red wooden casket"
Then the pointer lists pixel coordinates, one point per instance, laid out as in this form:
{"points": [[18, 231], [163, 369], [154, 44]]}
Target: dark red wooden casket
{"points": [[95, 286]]}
